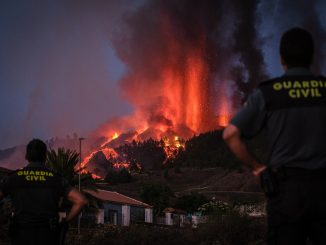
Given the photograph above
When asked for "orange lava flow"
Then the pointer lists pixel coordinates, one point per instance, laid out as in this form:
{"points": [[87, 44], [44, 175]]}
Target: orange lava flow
{"points": [[114, 136], [172, 146], [94, 176], [84, 163], [121, 165], [86, 160], [110, 153]]}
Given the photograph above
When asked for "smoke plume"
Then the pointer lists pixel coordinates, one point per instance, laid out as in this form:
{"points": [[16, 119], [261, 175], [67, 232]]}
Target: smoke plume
{"points": [[183, 56]]}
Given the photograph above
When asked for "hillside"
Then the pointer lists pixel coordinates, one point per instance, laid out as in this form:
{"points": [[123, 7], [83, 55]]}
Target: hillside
{"points": [[207, 167], [223, 184]]}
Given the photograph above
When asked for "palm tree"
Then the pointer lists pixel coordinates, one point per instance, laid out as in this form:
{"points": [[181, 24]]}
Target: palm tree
{"points": [[65, 162]]}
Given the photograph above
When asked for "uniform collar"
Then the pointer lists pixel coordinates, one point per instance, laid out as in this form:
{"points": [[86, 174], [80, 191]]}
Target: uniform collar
{"points": [[298, 71], [35, 164]]}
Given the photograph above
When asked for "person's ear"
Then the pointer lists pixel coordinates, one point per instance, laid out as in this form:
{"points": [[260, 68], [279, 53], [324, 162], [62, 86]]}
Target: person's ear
{"points": [[284, 65]]}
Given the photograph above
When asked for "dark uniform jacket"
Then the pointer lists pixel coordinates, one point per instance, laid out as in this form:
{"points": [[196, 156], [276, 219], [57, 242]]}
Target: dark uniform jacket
{"points": [[35, 192], [292, 109]]}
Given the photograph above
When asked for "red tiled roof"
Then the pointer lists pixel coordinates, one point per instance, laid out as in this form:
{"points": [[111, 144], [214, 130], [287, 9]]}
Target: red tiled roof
{"points": [[115, 197]]}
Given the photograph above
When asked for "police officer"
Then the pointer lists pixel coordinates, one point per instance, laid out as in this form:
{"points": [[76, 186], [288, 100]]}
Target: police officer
{"points": [[292, 109], [35, 192]]}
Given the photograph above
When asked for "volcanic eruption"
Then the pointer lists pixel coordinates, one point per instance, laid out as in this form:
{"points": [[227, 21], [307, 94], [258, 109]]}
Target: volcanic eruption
{"points": [[186, 65]]}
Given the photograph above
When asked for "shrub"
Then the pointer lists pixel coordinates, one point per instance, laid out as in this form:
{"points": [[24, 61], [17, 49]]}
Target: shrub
{"points": [[217, 207], [230, 229], [157, 195], [115, 177], [190, 203]]}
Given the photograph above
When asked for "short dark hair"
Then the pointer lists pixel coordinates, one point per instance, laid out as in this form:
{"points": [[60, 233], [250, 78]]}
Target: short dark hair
{"points": [[36, 151], [297, 48]]}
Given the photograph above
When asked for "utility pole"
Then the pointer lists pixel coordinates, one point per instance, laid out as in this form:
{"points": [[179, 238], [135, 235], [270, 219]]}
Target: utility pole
{"points": [[80, 162]]}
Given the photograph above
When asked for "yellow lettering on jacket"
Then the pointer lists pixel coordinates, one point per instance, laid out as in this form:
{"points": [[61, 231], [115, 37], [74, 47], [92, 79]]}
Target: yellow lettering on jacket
{"points": [[297, 84], [31, 175], [301, 89], [277, 86], [35, 178]]}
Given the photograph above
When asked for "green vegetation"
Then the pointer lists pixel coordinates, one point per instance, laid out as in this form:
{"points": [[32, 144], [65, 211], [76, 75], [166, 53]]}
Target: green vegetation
{"points": [[210, 150], [231, 229], [215, 207], [65, 162], [149, 153], [157, 195], [122, 176], [190, 203], [207, 150]]}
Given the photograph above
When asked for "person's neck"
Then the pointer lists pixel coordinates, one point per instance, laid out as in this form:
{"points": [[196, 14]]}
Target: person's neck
{"points": [[35, 163], [293, 71], [286, 67]]}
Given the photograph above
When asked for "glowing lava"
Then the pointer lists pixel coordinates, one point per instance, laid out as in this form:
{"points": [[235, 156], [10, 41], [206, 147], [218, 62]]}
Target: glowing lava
{"points": [[94, 176], [172, 146], [113, 137]]}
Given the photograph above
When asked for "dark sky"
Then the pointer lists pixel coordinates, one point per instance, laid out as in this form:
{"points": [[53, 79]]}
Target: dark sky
{"points": [[59, 74]]}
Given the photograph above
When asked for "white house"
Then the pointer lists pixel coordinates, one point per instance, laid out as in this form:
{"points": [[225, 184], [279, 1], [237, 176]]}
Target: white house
{"points": [[119, 209], [175, 217]]}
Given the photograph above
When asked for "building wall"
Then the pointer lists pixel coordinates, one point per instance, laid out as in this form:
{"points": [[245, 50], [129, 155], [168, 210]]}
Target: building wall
{"points": [[137, 214], [110, 208]]}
